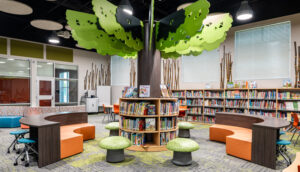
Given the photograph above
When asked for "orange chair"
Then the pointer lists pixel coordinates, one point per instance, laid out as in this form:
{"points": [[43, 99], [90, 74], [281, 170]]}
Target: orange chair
{"points": [[295, 126], [116, 111]]}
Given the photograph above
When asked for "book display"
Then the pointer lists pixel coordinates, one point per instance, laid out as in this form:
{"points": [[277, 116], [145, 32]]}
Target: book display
{"points": [[149, 123], [203, 104]]}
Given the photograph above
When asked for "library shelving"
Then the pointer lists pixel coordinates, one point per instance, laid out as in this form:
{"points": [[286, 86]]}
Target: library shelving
{"points": [[275, 102], [149, 123], [180, 95]]}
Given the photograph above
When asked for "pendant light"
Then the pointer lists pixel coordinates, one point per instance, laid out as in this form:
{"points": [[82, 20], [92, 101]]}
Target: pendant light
{"points": [[126, 7], [54, 38], [245, 12]]}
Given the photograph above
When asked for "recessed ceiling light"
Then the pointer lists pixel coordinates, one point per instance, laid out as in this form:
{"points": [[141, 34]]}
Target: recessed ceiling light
{"points": [[49, 63], [2, 62], [15, 7], [46, 24], [54, 40], [10, 59]]}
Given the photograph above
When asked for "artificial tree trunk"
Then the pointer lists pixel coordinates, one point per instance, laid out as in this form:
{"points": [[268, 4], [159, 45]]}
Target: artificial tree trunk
{"points": [[149, 64]]}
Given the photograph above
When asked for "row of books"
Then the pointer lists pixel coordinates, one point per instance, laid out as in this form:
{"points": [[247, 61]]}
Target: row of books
{"points": [[169, 108], [195, 110], [213, 103], [289, 95], [262, 94], [236, 110], [166, 137], [168, 123], [210, 120], [135, 138], [263, 113], [178, 94], [211, 111], [194, 94], [262, 104], [137, 108], [236, 103], [236, 94], [196, 102], [194, 119], [289, 105], [181, 102], [217, 94], [138, 124]]}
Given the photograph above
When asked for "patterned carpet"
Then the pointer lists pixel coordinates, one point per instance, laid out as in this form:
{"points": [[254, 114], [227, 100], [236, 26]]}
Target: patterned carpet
{"points": [[210, 157]]}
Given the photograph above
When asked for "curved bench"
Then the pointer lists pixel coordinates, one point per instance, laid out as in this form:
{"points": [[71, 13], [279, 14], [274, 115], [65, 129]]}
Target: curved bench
{"points": [[59, 135], [238, 140], [72, 137], [294, 166]]}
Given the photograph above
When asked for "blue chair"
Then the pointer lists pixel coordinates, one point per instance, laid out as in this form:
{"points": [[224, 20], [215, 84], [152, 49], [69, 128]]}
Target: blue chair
{"points": [[27, 150], [282, 150], [19, 134]]}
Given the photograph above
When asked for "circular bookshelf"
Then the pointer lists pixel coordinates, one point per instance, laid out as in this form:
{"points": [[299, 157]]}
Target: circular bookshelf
{"points": [[148, 122]]}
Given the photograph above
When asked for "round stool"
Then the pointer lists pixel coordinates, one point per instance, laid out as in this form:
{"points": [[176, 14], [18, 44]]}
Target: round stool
{"points": [[182, 150], [113, 128], [115, 146], [184, 129]]}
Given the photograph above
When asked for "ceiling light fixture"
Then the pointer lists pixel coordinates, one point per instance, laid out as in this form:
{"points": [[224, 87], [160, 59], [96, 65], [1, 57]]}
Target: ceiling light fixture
{"points": [[10, 59], [245, 12], [126, 7], [1, 62], [49, 63], [54, 40]]}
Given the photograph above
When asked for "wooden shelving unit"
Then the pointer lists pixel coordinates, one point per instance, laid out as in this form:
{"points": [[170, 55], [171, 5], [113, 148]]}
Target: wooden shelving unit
{"points": [[154, 143], [266, 101]]}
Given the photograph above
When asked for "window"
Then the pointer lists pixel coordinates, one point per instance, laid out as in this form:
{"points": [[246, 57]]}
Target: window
{"points": [[202, 68], [45, 69], [66, 84], [120, 70], [263, 52], [14, 81]]}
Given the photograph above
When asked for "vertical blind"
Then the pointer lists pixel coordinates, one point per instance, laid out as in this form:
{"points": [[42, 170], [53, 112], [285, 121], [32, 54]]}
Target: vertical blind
{"points": [[202, 68], [263, 52], [120, 71]]}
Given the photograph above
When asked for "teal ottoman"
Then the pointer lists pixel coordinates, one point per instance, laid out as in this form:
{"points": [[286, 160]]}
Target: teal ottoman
{"points": [[10, 121]]}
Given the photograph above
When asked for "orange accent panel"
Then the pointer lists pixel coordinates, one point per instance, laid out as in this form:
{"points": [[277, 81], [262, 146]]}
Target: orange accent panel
{"points": [[238, 140], [116, 109], [72, 137]]}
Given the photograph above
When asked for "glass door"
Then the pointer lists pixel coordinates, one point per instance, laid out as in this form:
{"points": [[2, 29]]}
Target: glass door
{"points": [[45, 87]]}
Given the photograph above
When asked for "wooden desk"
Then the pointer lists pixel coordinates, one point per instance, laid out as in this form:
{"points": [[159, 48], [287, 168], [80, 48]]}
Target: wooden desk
{"points": [[265, 132], [45, 129]]}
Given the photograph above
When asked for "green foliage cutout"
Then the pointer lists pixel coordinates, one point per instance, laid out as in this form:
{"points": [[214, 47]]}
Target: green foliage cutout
{"points": [[106, 13], [194, 16], [210, 37], [88, 36]]}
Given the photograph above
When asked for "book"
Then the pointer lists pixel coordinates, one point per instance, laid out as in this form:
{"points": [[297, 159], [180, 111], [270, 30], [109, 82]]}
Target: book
{"points": [[151, 109], [144, 91], [129, 92], [164, 91], [150, 124]]}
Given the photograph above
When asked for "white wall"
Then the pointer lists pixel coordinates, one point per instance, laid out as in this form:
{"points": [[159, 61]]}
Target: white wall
{"points": [[84, 60], [229, 44]]}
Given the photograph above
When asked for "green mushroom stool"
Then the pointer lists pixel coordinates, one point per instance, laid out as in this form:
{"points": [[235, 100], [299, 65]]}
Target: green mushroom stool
{"points": [[115, 146], [113, 128], [182, 150], [184, 129]]}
